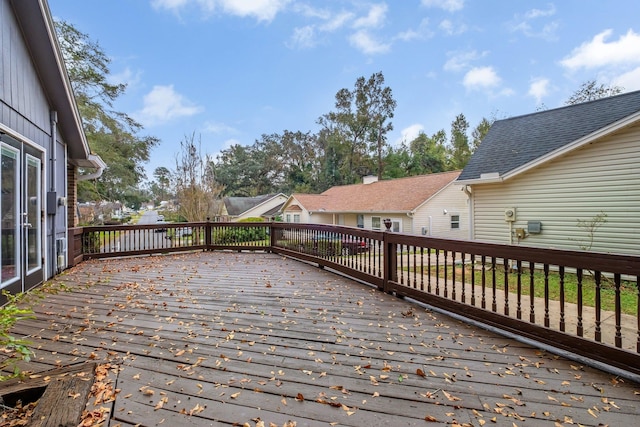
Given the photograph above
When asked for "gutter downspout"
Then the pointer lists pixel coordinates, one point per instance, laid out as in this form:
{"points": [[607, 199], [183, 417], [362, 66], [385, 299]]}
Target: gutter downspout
{"points": [[53, 159], [467, 190], [98, 163]]}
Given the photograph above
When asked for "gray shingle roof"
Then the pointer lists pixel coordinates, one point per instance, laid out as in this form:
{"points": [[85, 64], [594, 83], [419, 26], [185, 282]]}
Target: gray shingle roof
{"points": [[236, 206], [517, 141]]}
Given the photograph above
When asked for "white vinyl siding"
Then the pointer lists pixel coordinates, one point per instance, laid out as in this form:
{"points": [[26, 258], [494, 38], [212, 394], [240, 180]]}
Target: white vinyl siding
{"points": [[600, 177], [438, 223]]}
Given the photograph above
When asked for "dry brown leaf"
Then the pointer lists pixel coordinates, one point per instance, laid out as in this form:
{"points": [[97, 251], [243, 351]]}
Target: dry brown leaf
{"points": [[450, 397]]}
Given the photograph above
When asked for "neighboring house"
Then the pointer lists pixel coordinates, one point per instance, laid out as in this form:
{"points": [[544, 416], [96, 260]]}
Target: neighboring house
{"points": [[543, 179], [42, 146], [239, 208], [431, 205]]}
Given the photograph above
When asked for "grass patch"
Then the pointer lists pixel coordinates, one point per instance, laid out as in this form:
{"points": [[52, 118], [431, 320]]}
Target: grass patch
{"points": [[628, 290]]}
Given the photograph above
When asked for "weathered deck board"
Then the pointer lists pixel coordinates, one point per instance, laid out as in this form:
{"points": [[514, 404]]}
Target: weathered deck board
{"points": [[235, 337]]}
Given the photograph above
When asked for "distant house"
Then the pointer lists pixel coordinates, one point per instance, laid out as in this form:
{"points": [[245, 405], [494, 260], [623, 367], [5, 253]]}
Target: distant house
{"points": [[239, 208], [42, 146], [547, 179], [431, 205]]}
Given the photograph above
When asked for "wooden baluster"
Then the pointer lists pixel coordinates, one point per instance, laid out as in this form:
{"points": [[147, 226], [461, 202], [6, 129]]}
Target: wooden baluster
{"points": [[421, 268], [463, 278], [437, 271], [618, 314], [483, 299], [519, 290], [562, 314], [446, 279], [494, 300], [580, 325], [473, 279], [546, 295], [506, 287], [532, 292], [598, 331]]}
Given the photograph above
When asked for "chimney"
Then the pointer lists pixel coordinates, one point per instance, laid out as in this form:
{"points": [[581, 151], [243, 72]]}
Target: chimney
{"points": [[368, 179]]}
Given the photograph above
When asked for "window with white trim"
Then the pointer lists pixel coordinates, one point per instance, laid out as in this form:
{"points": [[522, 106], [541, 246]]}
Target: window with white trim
{"points": [[375, 223]]}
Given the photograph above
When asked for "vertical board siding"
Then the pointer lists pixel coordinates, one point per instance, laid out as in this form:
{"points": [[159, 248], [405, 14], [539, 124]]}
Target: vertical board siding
{"points": [[27, 108], [600, 177]]}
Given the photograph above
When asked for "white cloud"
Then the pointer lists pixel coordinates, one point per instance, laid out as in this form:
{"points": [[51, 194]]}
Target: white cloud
{"points": [[630, 80], [163, 103], [537, 13], [459, 61], [449, 5], [169, 4], [539, 88], [526, 24], [481, 78], [374, 19], [422, 32], [598, 53], [366, 43], [176, 6], [410, 133], [336, 22], [451, 29], [127, 77], [218, 128], [310, 11], [302, 38], [262, 10]]}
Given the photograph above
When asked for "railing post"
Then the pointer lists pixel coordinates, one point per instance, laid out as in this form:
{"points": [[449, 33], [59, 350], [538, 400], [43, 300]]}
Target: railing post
{"points": [[272, 236], [207, 234], [390, 258]]}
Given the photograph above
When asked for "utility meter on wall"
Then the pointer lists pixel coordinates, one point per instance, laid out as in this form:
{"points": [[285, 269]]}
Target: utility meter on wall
{"points": [[510, 214]]}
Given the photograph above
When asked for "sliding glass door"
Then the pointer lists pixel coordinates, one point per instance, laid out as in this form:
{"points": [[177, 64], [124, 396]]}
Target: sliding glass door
{"points": [[21, 257]]}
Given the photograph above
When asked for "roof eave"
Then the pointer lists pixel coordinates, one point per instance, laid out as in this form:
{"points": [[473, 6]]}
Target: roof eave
{"points": [[587, 139], [37, 25]]}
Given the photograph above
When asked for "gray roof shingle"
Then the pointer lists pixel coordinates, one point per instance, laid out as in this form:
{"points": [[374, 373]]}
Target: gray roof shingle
{"points": [[517, 141], [236, 206]]}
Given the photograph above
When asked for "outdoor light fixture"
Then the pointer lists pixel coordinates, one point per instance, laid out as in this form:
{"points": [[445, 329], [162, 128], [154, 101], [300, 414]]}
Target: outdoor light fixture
{"points": [[387, 223]]}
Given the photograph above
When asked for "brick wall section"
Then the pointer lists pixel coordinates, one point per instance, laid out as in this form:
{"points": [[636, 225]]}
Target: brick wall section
{"points": [[72, 196]]}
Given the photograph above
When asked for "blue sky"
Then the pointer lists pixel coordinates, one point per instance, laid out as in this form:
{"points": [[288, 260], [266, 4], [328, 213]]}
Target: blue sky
{"points": [[232, 70]]}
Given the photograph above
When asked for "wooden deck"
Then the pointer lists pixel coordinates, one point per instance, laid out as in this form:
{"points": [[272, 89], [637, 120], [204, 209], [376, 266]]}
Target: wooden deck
{"points": [[223, 338]]}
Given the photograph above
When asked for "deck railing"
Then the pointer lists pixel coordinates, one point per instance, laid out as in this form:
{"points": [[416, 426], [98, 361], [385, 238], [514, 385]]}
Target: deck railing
{"points": [[582, 302]]}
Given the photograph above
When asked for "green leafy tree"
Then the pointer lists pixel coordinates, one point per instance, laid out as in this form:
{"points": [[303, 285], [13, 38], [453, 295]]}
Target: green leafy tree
{"points": [[397, 162], [240, 170], [460, 150], [358, 127], [112, 135], [428, 154], [375, 100], [590, 91], [479, 132]]}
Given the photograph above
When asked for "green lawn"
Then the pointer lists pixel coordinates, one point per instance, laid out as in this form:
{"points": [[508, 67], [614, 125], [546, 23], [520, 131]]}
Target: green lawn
{"points": [[628, 290]]}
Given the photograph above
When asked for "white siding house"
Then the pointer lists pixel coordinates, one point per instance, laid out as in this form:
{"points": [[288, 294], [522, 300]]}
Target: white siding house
{"points": [[581, 193], [240, 208], [431, 205]]}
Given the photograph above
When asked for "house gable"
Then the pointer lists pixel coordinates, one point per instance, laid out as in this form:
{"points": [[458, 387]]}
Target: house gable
{"points": [[513, 145], [596, 179], [259, 206]]}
